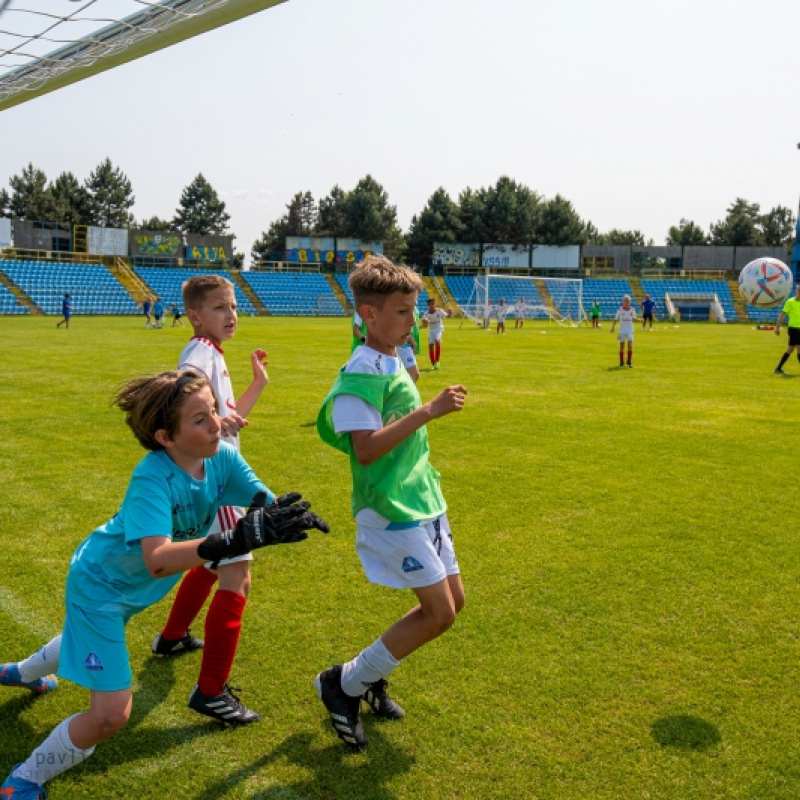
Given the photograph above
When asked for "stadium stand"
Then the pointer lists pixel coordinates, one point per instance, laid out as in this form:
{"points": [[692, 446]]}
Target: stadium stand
{"points": [[92, 288], [166, 282], [764, 315], [462, 287], [689, 290], [9, 304], [295, 293]]}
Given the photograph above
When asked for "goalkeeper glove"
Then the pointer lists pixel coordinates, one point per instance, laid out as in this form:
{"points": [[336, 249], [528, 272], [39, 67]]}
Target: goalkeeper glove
{"points": [[283, 521]]}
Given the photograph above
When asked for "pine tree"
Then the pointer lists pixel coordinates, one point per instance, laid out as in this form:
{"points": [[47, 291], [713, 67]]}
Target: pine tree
{"points": [[200, 210], [110, 197]]}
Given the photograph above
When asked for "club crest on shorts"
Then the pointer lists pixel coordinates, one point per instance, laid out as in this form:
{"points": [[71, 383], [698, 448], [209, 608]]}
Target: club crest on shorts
{"points": [[410, 564], [93, 662]]}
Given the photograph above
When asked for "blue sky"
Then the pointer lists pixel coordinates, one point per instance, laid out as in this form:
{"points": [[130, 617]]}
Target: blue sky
{"points": [[640, 113]]}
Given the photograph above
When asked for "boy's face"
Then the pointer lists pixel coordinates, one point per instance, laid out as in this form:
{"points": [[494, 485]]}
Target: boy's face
{"points": [[198, 433], [216, 318], [626, 303], [389, 327]]}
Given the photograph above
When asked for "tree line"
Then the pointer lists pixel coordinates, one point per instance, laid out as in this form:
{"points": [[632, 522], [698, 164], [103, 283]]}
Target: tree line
{"points": [[507, 212]]}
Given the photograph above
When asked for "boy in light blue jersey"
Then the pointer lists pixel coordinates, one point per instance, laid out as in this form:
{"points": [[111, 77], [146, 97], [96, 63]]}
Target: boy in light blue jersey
{"points": [[375, 415], [134, 559]]}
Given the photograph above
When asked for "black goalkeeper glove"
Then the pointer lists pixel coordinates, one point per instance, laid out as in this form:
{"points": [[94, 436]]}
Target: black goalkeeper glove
{"points": [[283, 521]]}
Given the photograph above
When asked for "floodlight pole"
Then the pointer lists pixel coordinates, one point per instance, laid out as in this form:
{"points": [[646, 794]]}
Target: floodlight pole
{"points": [[795, 263]]}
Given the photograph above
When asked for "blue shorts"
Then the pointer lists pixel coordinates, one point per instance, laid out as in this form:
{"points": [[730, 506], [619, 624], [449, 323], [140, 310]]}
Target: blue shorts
{"points": [[93, 650]]}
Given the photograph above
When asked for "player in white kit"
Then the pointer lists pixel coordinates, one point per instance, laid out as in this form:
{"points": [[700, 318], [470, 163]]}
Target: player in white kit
{"points": [[626, 316], [433, 319]]}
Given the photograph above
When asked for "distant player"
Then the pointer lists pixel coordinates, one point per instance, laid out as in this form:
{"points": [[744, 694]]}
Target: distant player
{"points": [[791, 309], [66, 311], [519, 313], [176, 315], [594, 313], [626, 316], [433, 319], [501, 311], [488, 310], [158, 313], [146, 306], [648, 305]]}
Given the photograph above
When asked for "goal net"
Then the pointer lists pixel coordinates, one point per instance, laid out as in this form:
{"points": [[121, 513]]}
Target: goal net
{"points": [[55, 44], [556, 299]]}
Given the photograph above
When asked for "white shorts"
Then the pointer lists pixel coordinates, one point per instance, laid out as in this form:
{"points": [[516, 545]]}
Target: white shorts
{"points": [[435, 336], [409, 558], [625, 336], [227, 517], [406, 355]]}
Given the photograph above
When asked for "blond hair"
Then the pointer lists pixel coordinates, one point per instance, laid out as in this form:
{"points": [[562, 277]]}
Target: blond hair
{"points": [[376, 277], [154, 403], [196, 289]]}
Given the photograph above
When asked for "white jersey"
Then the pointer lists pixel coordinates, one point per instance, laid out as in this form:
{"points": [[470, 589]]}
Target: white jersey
{"points": [[625, 317], [203, 356], [501, 310], [435, 323], [520, 309]]}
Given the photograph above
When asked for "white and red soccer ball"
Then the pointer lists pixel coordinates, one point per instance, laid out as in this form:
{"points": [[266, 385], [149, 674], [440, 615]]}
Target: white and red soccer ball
{"points": [[765, 283]]}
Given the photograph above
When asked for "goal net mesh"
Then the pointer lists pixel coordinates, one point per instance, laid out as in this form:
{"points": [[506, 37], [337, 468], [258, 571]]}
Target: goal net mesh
{"points": [[557, 299], [47, 44]]}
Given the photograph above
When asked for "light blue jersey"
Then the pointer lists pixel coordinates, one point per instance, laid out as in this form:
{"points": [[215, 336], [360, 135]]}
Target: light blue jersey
{"points": [[107, 572]]}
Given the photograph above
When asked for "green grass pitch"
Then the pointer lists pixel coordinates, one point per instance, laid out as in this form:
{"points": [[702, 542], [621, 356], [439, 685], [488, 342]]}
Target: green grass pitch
{"points": [[627, 539]]}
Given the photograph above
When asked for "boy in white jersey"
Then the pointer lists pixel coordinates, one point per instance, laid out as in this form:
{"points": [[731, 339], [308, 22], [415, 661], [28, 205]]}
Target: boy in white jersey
{"points": [[210, 305], [519, 313], [501, 311], [375, 415], [626, 316], [433, 319], [136, 557]]}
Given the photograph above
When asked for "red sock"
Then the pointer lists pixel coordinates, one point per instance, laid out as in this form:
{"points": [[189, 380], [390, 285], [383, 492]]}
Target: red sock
{"points": [[621, 356], [192, 594], [630, 356], [432, 353], [438, 351], [223, 625]]}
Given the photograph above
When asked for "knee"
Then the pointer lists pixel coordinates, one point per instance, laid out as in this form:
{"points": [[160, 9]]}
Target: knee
{"points": [[441, 618], [109, 722], [235, 577]]}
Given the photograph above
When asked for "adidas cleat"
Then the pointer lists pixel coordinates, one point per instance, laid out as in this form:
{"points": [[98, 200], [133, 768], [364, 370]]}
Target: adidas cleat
{"points": [[176, 647], [344, 709], [20, 789], [381, 704], [9, 676], [225, 707]]}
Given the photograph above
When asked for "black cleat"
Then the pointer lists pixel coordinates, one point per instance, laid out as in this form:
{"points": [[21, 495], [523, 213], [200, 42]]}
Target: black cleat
{"points": [[381, 704], [225, 707], [175, 647], [779, 371], [344, 709]]}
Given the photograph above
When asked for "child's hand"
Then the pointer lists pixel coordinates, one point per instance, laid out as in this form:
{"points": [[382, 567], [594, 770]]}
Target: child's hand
{"points": [[232, 424], [449, 400], [258, 358]]}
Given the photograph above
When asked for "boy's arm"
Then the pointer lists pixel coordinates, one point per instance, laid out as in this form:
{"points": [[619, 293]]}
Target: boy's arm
{"points": [[163, 557], [248, 399], [369, 446], [779, 323]]}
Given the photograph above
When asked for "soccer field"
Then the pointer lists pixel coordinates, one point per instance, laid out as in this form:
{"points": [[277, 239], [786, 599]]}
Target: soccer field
{"points": [[625, 536]]}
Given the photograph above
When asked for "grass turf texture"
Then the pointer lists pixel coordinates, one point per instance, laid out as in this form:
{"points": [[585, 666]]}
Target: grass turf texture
{"points": [[626, 538]]}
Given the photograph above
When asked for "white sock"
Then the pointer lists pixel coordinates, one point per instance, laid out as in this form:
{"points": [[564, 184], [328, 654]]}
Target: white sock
{"points": [[368, 666], [43, 662], [56, 754]]}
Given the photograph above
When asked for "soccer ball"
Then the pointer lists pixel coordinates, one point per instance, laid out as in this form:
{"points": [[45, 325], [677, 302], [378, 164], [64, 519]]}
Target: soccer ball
{"points": [[765, 283]]}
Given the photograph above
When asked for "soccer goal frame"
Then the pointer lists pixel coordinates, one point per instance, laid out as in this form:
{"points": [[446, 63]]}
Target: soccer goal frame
{"points": [[562, 303]]}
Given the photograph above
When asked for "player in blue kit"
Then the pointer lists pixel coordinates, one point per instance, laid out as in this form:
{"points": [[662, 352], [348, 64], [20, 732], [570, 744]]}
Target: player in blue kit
{"points": [[135, 558]]}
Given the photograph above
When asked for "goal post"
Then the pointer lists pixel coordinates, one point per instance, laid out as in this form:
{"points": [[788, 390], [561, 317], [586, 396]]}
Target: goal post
{"points": [[534, 297]]}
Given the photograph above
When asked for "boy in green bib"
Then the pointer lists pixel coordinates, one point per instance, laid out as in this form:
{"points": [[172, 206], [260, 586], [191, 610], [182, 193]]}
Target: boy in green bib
{"points": [[374, 415]]}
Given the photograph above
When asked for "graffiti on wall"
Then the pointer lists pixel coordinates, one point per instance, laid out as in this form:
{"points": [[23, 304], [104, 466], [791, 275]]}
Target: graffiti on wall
{"points": [[200, 253], [455, 255], [158, 245]]}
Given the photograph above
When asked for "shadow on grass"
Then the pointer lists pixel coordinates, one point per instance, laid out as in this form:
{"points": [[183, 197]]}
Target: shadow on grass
{"points": [[333, 772], [25, 738], [685, 732]]}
